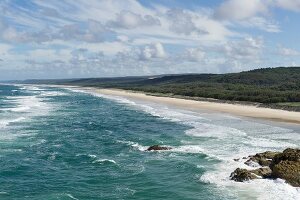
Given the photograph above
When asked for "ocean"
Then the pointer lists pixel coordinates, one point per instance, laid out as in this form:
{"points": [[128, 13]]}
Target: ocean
{"points": [[61, 143]]}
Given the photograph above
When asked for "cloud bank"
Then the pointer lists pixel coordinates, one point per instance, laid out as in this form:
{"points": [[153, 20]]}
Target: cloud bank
{"points": [[61, 39]]}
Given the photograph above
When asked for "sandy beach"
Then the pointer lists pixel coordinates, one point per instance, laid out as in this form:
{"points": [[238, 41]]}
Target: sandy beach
{"points": [[235, 109]]}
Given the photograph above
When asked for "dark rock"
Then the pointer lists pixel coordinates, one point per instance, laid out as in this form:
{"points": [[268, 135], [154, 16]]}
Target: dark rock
{"points": [[241, 175], [288, 154], [264, 172], [289, 171], [158, 148], [286, 165], [251, 163], [236, 159], [264, 162], [263, 159]]}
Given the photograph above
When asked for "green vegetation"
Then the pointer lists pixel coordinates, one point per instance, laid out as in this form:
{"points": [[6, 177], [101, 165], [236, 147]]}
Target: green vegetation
{"points": [[269, 86], [293, 104]]}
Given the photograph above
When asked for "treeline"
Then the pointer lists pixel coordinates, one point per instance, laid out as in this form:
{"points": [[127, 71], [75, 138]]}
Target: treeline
{"points": [[269, 85], [236, 92]]}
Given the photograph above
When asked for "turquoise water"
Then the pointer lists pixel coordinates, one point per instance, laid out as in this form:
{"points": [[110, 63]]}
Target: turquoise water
{"points": [[68, 144]]}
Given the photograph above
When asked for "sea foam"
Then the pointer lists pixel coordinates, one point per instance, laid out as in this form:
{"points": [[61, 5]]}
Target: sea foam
{"points": [[4, 123], [224, 137], [104, 161]]}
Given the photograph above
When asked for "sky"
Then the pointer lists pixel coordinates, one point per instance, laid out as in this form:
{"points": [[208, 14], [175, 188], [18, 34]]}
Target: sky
{"points": [[106, 38]]}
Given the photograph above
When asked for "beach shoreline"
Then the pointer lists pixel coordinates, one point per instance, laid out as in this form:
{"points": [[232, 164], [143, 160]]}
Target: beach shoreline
{"points": [[251, 111], [242, 110]]}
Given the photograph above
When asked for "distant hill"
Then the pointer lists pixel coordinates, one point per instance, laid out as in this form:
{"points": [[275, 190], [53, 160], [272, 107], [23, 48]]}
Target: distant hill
{"points": [[268, 85]]}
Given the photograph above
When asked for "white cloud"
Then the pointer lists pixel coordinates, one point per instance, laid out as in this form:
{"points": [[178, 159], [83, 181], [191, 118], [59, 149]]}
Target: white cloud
{"points": [[239, 9], [254, 13], [89, 31], [152, 51], [4, 48], [182, 22], [293, 5], [262, 24], [247, 49], [48, 55], [92, 21], [194, 55], [107, 38], [108, 48], [123, 38], [288, 52], [131, 20], [7, 33]]}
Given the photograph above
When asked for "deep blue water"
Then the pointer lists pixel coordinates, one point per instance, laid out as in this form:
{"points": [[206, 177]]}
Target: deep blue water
{"points": [[63, 144]]}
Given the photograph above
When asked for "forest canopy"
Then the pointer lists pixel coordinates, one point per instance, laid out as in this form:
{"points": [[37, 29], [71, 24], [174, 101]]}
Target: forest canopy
{"points": [[268, 85]]}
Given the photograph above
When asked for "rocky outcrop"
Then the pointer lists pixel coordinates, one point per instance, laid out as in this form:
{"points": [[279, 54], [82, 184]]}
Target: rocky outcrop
{"points": [[158, 148], [263, 159], [285, 165], [288, 154], [241, 175], [263, 172]]}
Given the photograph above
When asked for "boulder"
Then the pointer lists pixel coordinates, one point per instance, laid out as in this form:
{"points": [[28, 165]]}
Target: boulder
{"points": [[286, 165], [264, 172], [288, 154], [263, 159], [241, 175], [158, 148]]}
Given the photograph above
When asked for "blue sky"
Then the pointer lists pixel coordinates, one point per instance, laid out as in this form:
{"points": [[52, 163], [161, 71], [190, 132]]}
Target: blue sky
{"points": [[103, 38]]}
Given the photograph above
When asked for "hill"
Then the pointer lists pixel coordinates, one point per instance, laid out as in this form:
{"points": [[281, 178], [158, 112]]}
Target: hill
{"points": [[269, 85]]}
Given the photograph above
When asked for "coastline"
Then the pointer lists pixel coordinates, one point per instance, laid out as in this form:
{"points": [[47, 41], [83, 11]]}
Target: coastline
{"points": [[202, 142], [234, 109]]}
